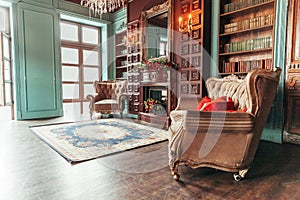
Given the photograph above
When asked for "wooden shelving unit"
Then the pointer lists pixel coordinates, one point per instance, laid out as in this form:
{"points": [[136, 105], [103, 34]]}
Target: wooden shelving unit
{"points": [[134, 59], [246, 35], [191, 44], [121, 55]]}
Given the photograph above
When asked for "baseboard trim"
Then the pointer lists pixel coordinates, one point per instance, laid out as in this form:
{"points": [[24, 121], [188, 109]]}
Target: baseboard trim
{"points": [[291, 138]]}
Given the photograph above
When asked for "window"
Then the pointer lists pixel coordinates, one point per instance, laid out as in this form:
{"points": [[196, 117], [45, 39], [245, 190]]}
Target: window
{"points": [[81, 62], [6, 95]]}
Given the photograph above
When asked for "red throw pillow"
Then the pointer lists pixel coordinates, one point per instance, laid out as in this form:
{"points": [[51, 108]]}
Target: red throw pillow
{"points": [[202, 102], [219, 104]]}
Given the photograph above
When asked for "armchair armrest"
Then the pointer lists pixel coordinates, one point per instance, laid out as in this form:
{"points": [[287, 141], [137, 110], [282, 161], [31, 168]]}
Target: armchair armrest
{"points": [[187, 103], [120, 98], [91, 99]]}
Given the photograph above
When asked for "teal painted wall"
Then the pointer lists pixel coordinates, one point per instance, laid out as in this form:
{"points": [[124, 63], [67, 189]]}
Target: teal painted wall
{"points": [[274, 126]]}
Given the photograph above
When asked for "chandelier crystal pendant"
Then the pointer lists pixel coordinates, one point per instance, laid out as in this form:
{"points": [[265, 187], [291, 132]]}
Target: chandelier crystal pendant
{"points": [[99, 7]]}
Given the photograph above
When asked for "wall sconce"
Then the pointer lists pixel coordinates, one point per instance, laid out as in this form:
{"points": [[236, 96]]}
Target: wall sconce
{"points": [[190, 24], [187, 26]]}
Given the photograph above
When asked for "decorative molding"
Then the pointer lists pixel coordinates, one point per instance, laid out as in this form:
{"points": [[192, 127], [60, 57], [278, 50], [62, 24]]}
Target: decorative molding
{"points": [[156, 10]]}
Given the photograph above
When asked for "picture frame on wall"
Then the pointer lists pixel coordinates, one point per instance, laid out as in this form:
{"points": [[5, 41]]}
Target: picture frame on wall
{"points": [[185, 8], [185, 49], [185, 62], [185, 37], [196, 34], [195, 75], [196, 5], [196, 48], [195, 61], [184, 75], [184, 88], [196, 20], [195, 89]]}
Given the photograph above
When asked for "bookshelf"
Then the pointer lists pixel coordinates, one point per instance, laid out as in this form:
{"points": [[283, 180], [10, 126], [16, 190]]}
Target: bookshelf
{"points": [[134, 59], [121, 55], [246, 35]]}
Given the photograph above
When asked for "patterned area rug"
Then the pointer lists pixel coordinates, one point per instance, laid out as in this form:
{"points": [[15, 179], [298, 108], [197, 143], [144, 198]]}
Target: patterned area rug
{"points": [[87, 140]]}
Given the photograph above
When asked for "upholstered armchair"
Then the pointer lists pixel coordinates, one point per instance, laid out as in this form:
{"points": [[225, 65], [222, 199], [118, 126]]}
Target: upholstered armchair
{"points": [[224, 140], [109, 97]]}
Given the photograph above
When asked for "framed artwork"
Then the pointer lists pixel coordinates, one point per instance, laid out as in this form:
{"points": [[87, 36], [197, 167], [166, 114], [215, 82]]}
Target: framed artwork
{"points": [[196, 5], [185, 8], [184, 37], [184, 88], [195, 89], [185, 62], [185, 49], [195, 75], [196, 34], [196, 19], [195, 48], [184, 75], [196, 61]]}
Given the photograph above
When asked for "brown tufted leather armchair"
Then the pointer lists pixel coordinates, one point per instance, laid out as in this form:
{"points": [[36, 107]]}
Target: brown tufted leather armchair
{"points": [[108, 98]]}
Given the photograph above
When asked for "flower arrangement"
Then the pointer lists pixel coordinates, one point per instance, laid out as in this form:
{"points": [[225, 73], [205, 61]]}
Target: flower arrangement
{"points": [[158, 64], [149, 103]]}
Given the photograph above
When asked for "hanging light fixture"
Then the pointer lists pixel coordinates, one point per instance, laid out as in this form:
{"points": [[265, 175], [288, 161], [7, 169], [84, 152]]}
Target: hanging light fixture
{"points": [[99, 7]]}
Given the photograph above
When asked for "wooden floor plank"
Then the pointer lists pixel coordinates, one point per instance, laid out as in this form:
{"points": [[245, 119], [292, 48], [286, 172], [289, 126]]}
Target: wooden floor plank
{"points": [[30, 169]]}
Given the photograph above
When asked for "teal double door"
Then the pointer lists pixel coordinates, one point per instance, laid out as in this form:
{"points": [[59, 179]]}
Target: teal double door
{"points": [[37, 71]]}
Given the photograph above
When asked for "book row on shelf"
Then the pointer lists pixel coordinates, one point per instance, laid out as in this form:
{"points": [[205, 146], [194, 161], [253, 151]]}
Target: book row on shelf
{"points": [[133, 27], [244, 66], [133, 38], [123, 52], [123, 63], [256, 22], [133, 58], [134, 48], [240, 4], [248, 45]]}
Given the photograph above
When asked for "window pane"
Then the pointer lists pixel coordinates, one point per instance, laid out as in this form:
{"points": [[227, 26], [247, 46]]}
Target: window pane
{"points": [[88, 89], [6, 48], [71, 109], [8, 93], [69, 55], [69, 32], [90, 36], [70, 91], [90, 57], [91, 74], [7, 70], [70, 73], [86, 108]]}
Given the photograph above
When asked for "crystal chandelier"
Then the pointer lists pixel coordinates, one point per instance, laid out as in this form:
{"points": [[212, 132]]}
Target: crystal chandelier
{"points": [[102, 6]]}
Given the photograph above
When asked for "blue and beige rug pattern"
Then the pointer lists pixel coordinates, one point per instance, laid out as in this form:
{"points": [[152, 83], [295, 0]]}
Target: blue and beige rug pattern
{"points": [[87, 140]]}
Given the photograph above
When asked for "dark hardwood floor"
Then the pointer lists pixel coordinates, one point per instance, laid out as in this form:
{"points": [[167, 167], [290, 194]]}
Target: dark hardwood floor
{"points": [[30, 169]]}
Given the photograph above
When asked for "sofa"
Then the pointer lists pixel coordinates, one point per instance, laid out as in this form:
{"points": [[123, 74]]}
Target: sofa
{"points": [[223, 139], [109, 97]]}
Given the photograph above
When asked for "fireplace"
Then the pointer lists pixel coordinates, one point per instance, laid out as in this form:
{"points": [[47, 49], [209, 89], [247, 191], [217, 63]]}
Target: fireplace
{"points": [[159, 112], [160, 96]]}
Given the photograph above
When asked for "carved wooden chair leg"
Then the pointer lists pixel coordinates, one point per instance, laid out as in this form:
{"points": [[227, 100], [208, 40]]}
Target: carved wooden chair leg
{"points": [[240, 175], [174, 171]]}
